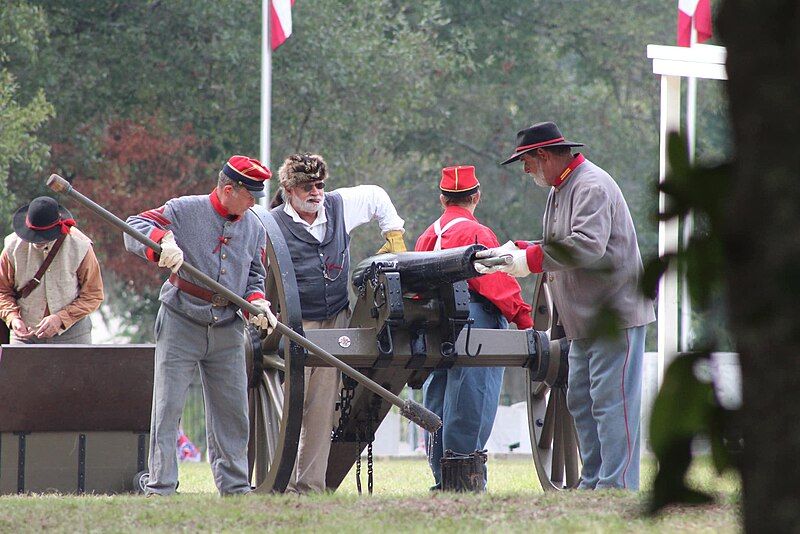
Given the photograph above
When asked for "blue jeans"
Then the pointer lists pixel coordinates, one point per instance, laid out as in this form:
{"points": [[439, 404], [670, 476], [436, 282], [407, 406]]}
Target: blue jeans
{"points": [[465, 398], [604, 397]]}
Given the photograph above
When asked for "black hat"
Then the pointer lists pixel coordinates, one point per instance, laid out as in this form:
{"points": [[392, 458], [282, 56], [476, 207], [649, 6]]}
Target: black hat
{"points": [[42, 220], [540, 135]]}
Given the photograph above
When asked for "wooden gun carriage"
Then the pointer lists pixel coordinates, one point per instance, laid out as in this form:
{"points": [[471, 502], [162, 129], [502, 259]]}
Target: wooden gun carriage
{"points": [[410, 316]]}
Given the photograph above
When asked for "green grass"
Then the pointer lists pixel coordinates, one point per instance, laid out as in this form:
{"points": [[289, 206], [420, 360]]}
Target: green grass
{"points": [[401, 503]]}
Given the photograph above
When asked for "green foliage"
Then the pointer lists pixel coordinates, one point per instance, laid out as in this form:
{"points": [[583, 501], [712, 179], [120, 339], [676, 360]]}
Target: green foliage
{"points": [[686, 406], [22, 113]]}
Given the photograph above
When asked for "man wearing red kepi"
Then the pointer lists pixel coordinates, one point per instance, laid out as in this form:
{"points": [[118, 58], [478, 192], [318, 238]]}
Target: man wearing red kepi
{"points": [[195, 328], [466, 398], [593, 263]]}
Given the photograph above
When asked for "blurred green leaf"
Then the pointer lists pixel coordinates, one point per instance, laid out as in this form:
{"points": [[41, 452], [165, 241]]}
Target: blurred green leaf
{"points": [[685, 408], [653, 271]]}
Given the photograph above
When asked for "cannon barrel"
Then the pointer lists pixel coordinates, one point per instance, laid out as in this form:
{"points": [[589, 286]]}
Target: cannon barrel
{"points": [[422, 271]]}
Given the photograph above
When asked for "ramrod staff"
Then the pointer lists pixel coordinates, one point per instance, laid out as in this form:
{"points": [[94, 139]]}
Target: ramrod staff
{"points": [[413, 411]]}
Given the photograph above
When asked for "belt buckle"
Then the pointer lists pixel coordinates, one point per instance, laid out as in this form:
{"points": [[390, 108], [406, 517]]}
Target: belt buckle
{"points": [[219, 300]]}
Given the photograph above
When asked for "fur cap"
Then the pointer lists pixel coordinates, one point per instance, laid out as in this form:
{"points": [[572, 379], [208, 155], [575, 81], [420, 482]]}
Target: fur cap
{"points": [[299, 169]]}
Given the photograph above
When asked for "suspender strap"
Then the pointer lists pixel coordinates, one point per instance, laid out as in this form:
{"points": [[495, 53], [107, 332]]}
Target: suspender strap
{"points": [[37, 278], [439, 231]]}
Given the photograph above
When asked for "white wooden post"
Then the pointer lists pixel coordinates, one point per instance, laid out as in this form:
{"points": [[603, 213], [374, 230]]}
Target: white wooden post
{"points": [[668, 231]]}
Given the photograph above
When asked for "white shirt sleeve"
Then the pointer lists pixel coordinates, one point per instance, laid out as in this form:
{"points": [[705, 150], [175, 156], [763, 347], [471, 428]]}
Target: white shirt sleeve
{"points": [[364, 203]]}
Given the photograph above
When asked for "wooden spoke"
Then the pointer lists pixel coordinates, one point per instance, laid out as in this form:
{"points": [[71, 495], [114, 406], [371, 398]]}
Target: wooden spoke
{"points": [[557, 464], [548, 428]]}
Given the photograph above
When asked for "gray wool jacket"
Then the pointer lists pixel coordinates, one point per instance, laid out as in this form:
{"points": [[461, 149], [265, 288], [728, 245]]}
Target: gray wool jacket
{"points": [[591, 255], [229, 250]]}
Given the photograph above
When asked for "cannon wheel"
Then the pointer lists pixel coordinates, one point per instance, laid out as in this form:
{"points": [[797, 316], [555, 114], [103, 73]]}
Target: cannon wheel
{"points": [[554, 441], [277, 380]]}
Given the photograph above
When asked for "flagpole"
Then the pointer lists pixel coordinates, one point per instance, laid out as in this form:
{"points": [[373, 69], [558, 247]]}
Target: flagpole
{"points": [[688, 223], [266, 94]]}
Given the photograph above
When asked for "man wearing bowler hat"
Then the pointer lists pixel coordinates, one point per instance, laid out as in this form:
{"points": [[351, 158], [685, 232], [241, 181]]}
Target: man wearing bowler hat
{"points": [[593, 265], [466, 398], [198, 329], [49, 277]]}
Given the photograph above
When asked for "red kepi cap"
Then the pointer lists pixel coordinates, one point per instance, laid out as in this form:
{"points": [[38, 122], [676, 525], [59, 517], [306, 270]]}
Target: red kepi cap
{"points": [[247, 172], [459, 181]]}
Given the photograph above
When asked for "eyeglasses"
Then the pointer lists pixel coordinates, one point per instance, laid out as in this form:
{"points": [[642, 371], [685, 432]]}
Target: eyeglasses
{"points": [[308, 187]]}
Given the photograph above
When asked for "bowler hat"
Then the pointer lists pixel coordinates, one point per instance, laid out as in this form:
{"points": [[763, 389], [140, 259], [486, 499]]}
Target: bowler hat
{"points": [[539, 135], [42, 220]]}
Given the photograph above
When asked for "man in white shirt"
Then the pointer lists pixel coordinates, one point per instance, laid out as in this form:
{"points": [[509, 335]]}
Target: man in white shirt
{"points": [[316, 227]]}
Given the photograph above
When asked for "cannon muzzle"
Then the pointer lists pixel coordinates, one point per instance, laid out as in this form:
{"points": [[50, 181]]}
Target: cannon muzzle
{"points": [[422, 271]]}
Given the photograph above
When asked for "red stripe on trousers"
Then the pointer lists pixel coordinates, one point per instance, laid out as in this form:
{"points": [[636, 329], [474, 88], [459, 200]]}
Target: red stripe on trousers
{"points": [[625, 409]]}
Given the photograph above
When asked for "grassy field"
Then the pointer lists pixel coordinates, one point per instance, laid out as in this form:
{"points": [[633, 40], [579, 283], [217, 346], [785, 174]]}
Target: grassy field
{"points": [[401, 503]]}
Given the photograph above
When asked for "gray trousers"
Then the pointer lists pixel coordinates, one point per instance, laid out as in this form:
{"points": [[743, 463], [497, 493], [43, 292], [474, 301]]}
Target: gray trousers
{"points": [[319, 403], [79, 333], [604, 397], [218, 351]]}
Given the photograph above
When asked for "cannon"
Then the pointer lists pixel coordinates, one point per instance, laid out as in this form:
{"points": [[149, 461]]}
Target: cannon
{"points": [[410, 316]]}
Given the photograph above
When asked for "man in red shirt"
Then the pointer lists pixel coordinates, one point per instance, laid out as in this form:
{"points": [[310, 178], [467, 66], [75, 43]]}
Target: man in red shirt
{"points": [[466, 397]]}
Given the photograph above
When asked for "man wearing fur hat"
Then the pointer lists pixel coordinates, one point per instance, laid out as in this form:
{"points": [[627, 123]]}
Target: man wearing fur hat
{"points": [[198, 329], [317, 226], [49, 277], [466, 398], [593, 266]]}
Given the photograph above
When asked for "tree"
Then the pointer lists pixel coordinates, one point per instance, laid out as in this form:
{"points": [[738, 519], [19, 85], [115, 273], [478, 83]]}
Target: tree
{"points": [[140, 166], [20, 27], [763, 252]]}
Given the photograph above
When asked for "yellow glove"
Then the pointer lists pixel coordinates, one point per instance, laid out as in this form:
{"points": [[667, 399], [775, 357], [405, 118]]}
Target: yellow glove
{"points": [[394, 242]]}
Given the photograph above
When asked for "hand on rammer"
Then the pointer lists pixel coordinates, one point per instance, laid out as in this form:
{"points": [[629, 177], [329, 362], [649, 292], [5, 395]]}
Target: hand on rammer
{"points": [[265, 320], [171, 254]]}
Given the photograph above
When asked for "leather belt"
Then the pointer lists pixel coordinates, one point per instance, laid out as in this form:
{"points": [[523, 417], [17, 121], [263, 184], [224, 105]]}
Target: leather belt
{"points": [[216, 299]]}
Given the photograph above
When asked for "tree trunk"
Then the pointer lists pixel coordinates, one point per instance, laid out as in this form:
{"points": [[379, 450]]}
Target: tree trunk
{"points": [[763, 251]]}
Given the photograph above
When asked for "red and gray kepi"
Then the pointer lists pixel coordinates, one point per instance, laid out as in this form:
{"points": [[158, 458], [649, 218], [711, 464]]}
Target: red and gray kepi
{"points": [[459, 181], [540, 135], [249, 173], [42, 220]]}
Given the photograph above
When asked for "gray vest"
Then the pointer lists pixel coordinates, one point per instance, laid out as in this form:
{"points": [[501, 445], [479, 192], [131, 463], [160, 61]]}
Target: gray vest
{"points": [[322, 268]]}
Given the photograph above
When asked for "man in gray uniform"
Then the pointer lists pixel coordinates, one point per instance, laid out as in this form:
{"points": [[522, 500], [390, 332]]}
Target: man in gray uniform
{"points": [[317, 229], [593, 263], [196, 328]]}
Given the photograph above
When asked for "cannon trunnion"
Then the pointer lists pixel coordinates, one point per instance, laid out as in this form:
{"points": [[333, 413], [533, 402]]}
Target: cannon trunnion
{"points": [[410, 316]]}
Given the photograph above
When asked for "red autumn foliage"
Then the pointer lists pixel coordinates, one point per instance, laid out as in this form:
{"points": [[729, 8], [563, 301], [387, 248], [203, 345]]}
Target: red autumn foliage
{"points": [[141, 166]]}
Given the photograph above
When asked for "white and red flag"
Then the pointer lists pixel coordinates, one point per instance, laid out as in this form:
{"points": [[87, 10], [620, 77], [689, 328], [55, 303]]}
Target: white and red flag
{"points": [[280, 12], [697, 13]]}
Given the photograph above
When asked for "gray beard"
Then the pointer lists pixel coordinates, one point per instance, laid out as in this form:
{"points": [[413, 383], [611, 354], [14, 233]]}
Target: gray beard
{"points": [[540, 180], [306, 206]]}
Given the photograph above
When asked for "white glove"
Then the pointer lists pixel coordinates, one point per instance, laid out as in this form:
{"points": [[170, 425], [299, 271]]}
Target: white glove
{"points": [[508, 249], [265, 320], [171, 254], [519, 267]]}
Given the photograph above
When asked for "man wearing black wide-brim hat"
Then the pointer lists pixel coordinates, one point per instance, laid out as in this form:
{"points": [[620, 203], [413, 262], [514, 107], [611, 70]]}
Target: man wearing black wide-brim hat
{"points": [[592, 260], [49, 277]]}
